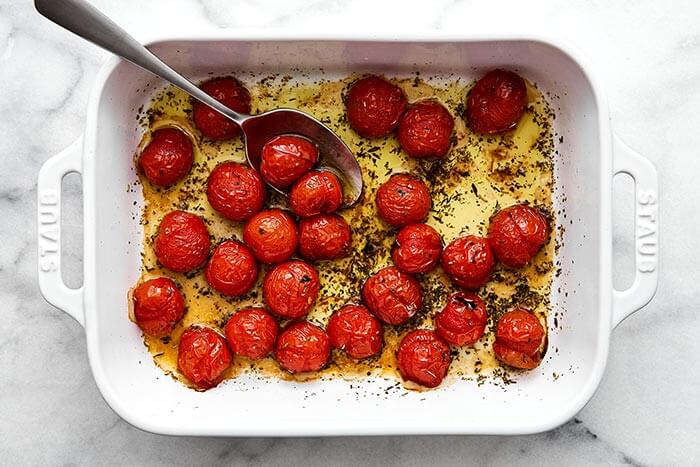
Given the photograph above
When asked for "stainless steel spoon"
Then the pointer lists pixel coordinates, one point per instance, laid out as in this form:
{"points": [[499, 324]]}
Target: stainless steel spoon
{"points": [[86, 21]]}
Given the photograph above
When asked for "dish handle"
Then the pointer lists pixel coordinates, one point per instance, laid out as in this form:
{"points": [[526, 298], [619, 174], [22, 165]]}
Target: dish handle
{"points": [[646, 228], [51, 284]]}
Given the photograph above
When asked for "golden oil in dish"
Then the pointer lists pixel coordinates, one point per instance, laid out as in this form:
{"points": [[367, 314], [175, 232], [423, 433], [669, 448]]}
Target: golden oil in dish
{"points": [[479, 176]]}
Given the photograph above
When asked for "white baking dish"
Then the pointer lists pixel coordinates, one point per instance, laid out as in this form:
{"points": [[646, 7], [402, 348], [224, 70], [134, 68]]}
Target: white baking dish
{"points": [[589, 158]]}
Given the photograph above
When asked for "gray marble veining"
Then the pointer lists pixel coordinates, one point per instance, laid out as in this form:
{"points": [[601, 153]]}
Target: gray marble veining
{"points": [[647, 410]]}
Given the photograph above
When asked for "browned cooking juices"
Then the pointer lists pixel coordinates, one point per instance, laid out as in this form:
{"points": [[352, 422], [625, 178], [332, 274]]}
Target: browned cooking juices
{"points": [[479, 176]]}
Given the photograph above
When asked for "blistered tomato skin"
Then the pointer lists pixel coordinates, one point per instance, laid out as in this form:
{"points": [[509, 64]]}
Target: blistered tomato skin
{"points": [[272, 235], [417, 250], [324, 237], [496, 102], [290, 289], [402, 200], [158, 306], [211, 123], [318, 192], [356, 331], [425, 130], [520, 330], [302, 347], [182, 243], [463, 320], [516, 359], [251, 332], [284, 159], [517, 233], [469, 261], [203, 356], [235, 191], [374, 106], [423, 358], [167, 158], [393, 296], [232, 269]]}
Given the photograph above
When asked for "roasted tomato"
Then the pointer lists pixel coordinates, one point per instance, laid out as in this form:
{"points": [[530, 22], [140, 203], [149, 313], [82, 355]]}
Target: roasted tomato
{"points": [[468, 261], [517, 233], [520, 330], [167, 158], [235, 191], [158, 306], [272, 235], [302, 347], [356, 331], [516, 359], [374, 106], [284, 159], [251, 332], [425, 130], [423, 358], [182, 243], [326, 236], [392, 295], [202, 356], [417, 249], [231, 93], [496, 102], [316, 193], [463, 320], [232, 269], [403, 199], [290, 289]]}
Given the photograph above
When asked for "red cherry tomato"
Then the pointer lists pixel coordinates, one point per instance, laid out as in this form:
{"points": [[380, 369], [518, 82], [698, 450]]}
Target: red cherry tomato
{"points": [[235, 191], [469, 261], [496, 102], [392, 295], [403, 199], [158, 306], [251, 332], [182, 243], [517, 233], [425, 130], [463, 320], [231, 93], [286, 158], [302, 347], [290, 289], [322, 237], [514, 358], [418, 248], [356, 331], [167, 158], [272, 235], [520, 330], [232, 269], [423, 358], [202, 356], [316, 193], [374, 106]]}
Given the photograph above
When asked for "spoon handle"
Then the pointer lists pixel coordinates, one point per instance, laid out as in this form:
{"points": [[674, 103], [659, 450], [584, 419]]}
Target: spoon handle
{"points": [[84, 20]]}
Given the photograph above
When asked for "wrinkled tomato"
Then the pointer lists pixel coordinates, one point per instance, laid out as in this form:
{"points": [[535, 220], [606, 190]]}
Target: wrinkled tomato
{"points": [[232, 269], [302, 347], [374, 106], [520, 330], [425, 130], [418, 248], [403, 199], [232, 94], [251, 332], [167, 158], [324, 237], [203, 356], [182, 243], [356, 331], [318, 192], [463, 320], [517, 233], [496, 102], [235, 191], [272, 235], [423, 358], [393, 296], [284, 159], [469, 261], [290, 289], [158, 306]]}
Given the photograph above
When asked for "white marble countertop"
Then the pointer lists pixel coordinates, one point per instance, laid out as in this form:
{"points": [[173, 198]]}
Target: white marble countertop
{"points": [[647, 410]]}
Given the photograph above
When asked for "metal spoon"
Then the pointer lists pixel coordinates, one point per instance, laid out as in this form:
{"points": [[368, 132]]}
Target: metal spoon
{"points": [[86, 21]]}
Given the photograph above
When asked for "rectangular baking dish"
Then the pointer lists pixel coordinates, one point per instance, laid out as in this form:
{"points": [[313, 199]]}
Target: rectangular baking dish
{"points": [[589, 156]]}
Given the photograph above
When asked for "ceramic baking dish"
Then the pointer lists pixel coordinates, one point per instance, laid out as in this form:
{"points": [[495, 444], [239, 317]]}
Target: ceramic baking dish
{"points": [[589, 157]]}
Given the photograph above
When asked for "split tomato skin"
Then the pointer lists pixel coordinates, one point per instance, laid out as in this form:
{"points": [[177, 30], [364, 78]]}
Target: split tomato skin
{"points": [[324, 237], [168, 157], [374, 106], [230, 92], [285, 158], [403, 199], [158, 306], [425, 130], [469, 261], [252, 333], [463, 320], [496, 102], [235, 191], [182, 243], [423, 358], [520, 330], [232, 269], [354, 330], [317, 192], [302, 347], [290, 289], [517, 233], [393, 296], [418, 249], [203, 356], [272, 235]]}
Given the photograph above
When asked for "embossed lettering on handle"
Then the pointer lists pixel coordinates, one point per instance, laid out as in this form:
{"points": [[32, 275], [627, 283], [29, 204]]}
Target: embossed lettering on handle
{"points": [[647, 229], [49, 235]]}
